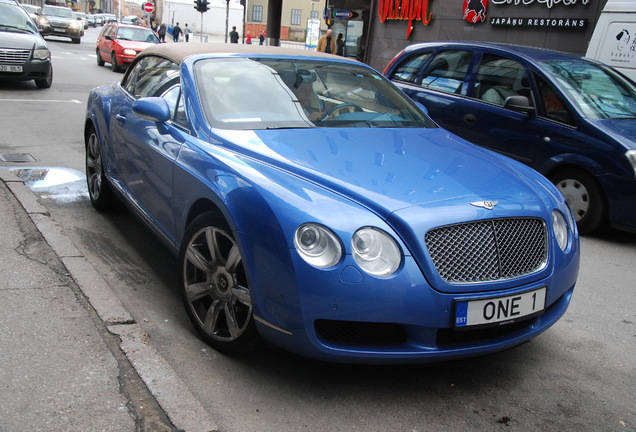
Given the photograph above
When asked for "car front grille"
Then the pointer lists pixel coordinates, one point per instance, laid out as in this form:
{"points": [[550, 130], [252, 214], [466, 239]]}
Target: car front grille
{"points": [[14, 56], [490, 250]]}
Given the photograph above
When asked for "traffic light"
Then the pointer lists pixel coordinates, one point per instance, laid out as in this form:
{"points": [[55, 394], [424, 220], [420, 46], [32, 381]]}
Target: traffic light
{"points": [[202, 5], [205, 5]]}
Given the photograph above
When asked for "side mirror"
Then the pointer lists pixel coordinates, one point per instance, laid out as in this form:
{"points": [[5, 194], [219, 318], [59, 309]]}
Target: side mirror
{"points": [[109, 37], [519, 103], [155, 109], [422, 107]]}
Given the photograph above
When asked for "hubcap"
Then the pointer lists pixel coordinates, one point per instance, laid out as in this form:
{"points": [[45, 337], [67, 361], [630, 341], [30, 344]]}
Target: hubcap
{"points": [[215, 284], [576, 195], [93, 166]]}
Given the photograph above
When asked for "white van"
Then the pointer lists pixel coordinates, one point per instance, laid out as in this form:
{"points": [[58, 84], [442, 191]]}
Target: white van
{"points": [[614, 39]]}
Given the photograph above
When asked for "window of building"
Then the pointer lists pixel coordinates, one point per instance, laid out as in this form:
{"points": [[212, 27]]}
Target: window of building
{"points": [[257, 13], [295, 16], [313, 15]]}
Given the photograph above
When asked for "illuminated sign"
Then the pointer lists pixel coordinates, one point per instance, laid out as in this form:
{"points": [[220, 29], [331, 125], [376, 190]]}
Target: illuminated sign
{"points": [[406, 10]]}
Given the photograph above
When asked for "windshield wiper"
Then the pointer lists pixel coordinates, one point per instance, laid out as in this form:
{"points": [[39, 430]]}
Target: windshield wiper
{"points": [[14, 28]]}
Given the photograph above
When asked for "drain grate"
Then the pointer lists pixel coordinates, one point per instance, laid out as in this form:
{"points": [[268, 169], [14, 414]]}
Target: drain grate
{"points": [[17, 157]]}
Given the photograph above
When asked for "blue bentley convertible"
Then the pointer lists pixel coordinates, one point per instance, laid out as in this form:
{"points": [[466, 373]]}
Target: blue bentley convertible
{"points": [[312, 204]]}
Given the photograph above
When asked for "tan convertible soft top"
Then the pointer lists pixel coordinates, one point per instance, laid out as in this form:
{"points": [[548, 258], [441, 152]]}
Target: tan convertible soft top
{"points": [[178, 51]]}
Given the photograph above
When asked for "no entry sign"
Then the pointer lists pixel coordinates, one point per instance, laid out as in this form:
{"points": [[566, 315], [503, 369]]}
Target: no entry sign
{"points": [[149, 7]]}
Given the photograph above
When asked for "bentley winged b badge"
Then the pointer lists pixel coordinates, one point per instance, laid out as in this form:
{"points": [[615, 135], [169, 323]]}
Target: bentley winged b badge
{"points": [[488, 205]]}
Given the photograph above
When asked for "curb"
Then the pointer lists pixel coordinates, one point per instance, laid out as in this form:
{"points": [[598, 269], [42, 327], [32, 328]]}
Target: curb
{"points": [[171, 393]]}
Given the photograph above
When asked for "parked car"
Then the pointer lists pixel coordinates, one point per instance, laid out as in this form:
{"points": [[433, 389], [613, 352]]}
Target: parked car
{"points": [[35, 13], [310, 203], [570, 118], [119, 44], [24, 54], [63, 22]]}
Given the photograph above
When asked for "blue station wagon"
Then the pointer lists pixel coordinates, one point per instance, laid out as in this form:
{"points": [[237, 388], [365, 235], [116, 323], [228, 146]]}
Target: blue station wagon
{"points": [[570, 118], [312, 204]]}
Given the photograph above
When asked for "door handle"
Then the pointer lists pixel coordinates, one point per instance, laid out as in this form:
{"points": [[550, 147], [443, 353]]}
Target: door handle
{"points": [[120, 118], [470, 119]]}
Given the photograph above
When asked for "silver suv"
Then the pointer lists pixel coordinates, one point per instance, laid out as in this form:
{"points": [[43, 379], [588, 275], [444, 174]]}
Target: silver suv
{"points": [[64, 22]]}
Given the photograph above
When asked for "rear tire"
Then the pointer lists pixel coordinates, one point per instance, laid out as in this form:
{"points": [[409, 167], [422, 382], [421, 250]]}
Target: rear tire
{"points": [[585, 197]]}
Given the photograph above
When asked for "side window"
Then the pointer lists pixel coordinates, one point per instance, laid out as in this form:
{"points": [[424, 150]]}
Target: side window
{"points": [[498, 78], [150, 76], [408, 69], [175, 101], [447, 71], [553, 105]]}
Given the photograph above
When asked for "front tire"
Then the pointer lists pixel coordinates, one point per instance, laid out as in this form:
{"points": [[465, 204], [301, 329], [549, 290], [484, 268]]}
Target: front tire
{"points": [[584, 196], [45, 82], [113, 63], [99, 191], [214, 287]]}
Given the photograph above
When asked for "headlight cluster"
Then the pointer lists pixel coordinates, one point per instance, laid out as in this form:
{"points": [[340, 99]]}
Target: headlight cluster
{"points": [[129, 51], [631, 157], [41, 54], [561, 231], [373, 250]]}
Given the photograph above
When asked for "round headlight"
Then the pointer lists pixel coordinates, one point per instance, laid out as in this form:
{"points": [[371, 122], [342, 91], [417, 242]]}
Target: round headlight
{"points": [[560, 227], [317, 245], [375, 251]]}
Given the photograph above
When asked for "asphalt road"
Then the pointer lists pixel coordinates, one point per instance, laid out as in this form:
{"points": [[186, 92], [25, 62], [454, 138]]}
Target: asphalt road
{"points": [[578, 376]]}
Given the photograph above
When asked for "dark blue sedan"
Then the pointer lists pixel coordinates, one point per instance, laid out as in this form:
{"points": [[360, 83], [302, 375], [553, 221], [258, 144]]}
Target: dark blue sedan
{"points": [[313, 205], [570, 118]]}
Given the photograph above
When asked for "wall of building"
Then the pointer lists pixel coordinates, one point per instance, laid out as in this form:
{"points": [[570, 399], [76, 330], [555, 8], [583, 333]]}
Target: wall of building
{"points": [[565, 25]]}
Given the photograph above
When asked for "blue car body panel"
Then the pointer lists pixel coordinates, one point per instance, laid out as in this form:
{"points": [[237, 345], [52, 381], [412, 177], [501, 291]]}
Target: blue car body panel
{"points": [[268, 182]]}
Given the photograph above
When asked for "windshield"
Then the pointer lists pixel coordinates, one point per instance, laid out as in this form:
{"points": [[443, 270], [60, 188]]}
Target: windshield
{"points": [[15, 19], [240, 93], [136, 34], [58, 12], [598, 91]]}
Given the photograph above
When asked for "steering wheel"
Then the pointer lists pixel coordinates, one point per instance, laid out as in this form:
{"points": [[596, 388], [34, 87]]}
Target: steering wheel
{"points": [[330, 111]]}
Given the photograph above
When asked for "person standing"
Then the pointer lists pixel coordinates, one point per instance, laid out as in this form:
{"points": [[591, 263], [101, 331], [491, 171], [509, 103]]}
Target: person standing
{"points": [[234, 36], [326, 43], [176, 32], [261, 38], [248, 38], [186, 33], [340, 45], [162, 32]]}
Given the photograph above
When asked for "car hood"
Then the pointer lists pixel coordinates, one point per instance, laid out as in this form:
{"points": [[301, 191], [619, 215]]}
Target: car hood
{"points": [[622, 130], [137, 46], [19, 40], [401, 170]]}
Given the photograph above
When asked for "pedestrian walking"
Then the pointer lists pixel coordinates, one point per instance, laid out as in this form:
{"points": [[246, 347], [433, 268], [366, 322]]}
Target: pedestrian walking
{"points": [[234, 36], [248, 38], [186, 33], [176, 32], [162, 32], [326, 43], [261, 38]]}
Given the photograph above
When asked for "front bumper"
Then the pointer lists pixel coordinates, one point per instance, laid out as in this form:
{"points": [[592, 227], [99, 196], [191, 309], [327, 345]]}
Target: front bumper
{"points": [[34, 69]]}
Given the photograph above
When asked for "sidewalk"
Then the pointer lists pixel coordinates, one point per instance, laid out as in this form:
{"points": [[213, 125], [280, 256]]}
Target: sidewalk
{"points": [[71, 356]]}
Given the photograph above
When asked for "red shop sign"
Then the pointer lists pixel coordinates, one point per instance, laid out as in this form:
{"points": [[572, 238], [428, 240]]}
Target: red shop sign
{"points": [[407, 10]]}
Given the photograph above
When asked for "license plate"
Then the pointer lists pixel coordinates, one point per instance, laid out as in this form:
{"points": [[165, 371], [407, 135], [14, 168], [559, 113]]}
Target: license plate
{"points": [[10, 68], [499, 310], [59, 30]]}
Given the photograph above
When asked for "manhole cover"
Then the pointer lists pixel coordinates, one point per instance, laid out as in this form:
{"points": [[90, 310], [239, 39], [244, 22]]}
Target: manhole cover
{"points": [[17, 157]]}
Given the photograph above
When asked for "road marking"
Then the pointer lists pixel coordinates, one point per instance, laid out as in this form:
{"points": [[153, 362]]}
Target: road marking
{"points": [[75, 101]]}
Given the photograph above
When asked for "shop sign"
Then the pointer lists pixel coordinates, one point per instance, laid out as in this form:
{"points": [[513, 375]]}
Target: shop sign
{"points": [[406, 10], [475, 10], [579, 23], [342, 14], [547, 3]]}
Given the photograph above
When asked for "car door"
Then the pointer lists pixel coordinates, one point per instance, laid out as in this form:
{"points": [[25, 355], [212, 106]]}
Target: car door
{"points": [[103, 44], [147, 150]]}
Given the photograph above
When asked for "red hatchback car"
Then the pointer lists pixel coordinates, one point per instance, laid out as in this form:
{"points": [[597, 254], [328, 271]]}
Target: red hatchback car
{"points": [[119, 44]]}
